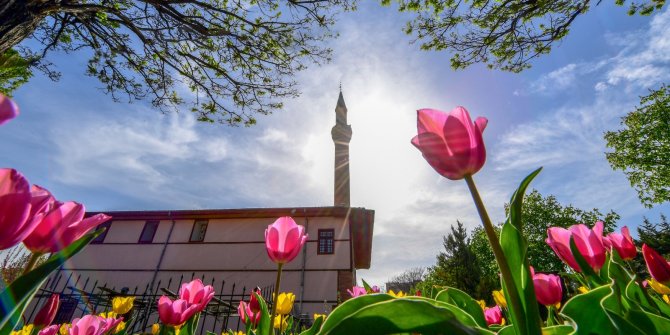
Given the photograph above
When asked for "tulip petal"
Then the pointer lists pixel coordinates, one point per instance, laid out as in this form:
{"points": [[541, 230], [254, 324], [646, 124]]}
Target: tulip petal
{"points": [[430, 121], [8, 109], [559, 241], [435, 151]]}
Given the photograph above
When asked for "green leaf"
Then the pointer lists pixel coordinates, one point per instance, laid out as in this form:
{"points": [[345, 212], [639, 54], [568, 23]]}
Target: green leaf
{"points": [[264, 326], [190, 327], [463, 301], [558, 330], [587, 313], [316, 326], [384, 314], [515, 248], [15, 297]]}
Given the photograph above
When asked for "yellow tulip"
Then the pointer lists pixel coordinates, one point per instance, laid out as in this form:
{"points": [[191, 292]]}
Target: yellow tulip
{"points": [[109, 314], [499, 298], [281, 320], [400, 294], [658, 287], [285, 303], [64, 329], [316, 316], [583, 289], [239, 332], [155, 328], [122, 305], [482, 304], [26, 330], [121, 326], [666, 299]]}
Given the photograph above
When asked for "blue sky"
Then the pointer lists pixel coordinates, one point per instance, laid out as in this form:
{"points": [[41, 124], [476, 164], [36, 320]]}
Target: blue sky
{"points": [[74, 140]]}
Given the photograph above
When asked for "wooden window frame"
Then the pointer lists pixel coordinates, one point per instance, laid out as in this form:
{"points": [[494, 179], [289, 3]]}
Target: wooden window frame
{"points": [[101, 238], [324, 240], [195, 224], [146, 224]]}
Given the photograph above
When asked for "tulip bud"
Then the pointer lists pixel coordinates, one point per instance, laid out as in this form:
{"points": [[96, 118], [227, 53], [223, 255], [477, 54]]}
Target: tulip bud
{"points": [[623, 244], [284, 239], [51, 330], [499, 298], [8, 109], [548, 289], [494, 316], [122, 305], [658, 267], [48, 312], [285, 303], [175, 313], [451, 143]]}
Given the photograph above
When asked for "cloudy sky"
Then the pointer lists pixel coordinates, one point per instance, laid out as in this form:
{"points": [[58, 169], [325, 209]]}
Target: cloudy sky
{"points": [[74, 140]]}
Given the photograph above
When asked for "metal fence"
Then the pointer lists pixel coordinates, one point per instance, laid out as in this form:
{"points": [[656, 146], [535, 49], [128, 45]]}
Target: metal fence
{"points": [[81, 296]]}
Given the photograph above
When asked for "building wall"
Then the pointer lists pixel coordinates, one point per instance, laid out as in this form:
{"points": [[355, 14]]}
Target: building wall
{"points": [[233, 250]]}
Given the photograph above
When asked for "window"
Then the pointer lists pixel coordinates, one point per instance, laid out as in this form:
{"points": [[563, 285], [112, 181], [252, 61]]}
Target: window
{"points": [[148, 232], [326, 240], [101, 237], [199, 230]]}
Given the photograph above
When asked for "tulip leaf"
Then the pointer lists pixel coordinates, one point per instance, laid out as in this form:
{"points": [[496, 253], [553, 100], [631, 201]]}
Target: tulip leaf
{"points": [[190, 326], [515, 248], [316, 326], [586, 312], [383, 314], [16, 296], [558, 330], [463, 301], [264, 327]]}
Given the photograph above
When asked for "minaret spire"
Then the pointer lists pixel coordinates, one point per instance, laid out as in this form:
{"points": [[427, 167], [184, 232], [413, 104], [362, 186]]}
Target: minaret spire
{"points": [[341, 137]]}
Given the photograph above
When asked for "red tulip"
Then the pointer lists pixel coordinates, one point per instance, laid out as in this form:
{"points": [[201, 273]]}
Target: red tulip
{"points": [[48, 312], [493, 315], [61, 226], [451, 143], [15, 208], [175, 313], [284, 239], [254, 305], [247, 315], [51, 330], [658, 267], [88, 325], [8, 109], [196, 293], [622, 243], [589, 242], [548, 289]]}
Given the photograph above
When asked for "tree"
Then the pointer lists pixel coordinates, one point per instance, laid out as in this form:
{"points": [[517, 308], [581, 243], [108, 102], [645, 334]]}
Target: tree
{"points": [[538, 214], [407, 280], [457, 265], [642, 147], [655, 235], [235, 57], [14, 71], [504, 34]]}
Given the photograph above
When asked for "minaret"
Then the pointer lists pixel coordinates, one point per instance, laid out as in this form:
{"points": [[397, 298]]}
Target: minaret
{"points": [[341, 137]]}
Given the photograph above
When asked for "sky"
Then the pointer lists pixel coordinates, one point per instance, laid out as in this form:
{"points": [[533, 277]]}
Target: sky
{"points": [[74, 140]]}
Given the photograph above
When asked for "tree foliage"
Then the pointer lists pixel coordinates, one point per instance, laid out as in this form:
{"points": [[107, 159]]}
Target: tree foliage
{"points": [[457, 266], [407, 280], [504, 34], [642, 147], [14, 71], [655, 235], [538, 214], [225, 60]]}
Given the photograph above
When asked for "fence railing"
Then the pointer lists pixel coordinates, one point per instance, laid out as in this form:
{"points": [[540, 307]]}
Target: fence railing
{"points": [[80, 296]]}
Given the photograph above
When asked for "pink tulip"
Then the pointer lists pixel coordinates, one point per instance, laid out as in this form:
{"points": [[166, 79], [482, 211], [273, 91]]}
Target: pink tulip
{"points": [[111, 323], [284, 239], [493, 315], [375, 289], [548, 289], [623, 244], [658, 267], [175, 313], [357, 291], [247, 315], [451, 143], [589, 242], [51, 330], [48, 312], [15, 198], [196, 293], [61, 226], [8, 109], [88, 325]]}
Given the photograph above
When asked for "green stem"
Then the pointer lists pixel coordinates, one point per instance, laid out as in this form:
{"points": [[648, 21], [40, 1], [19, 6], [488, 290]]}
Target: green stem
{"points": [[508, 281], [32, 261], [275, 298]]}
